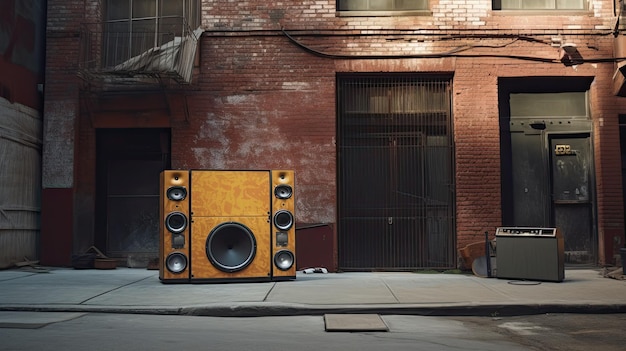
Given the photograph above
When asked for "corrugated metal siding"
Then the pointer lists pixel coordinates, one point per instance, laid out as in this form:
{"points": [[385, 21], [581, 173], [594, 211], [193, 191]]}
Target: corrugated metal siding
{"points": [[396, 204], [20, 193]]}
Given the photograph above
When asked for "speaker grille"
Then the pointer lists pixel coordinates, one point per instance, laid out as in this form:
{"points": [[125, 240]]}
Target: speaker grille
{"points": [[231, 247]]}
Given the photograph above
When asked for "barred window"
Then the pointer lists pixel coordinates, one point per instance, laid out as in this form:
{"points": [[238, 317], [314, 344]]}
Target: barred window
{"points": [[539, 4], [382, 5], [134, 26]]}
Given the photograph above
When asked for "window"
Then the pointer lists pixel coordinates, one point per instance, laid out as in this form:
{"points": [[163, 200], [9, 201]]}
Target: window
{"points": [[539, 4], [382, 5], [135, 26]]}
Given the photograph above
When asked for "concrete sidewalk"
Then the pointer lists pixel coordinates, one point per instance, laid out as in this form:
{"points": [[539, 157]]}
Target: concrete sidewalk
{"points": [[126, 290]]}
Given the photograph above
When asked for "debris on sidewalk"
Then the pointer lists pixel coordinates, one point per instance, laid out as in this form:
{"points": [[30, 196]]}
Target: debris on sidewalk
{"points": [[93, 258], [31, 266], [472, 251], [614, 273], [315, 270], [153, 264]]}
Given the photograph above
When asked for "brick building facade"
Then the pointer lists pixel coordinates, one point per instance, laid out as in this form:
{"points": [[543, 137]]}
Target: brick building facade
{"points": [[266, 93]]}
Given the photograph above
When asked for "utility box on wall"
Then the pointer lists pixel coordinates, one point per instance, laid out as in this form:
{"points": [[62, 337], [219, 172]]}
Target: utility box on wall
{"points": [[530, 253], [314, 246]]}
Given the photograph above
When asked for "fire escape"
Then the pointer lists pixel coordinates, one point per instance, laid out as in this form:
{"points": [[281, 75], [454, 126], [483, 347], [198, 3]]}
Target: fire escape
{"points": [[122, 69]]}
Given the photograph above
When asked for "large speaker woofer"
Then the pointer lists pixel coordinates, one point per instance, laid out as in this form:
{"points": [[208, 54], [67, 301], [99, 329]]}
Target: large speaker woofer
{"points": [[283, 191], [283, 220], [176, 262], [231, 247], [176, 193], [176, 222], [284, 259]]}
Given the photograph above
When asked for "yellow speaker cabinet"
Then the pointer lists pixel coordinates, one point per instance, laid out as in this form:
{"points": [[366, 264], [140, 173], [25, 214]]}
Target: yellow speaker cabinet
{"points": [[238, 226], [174, 226], [283, 225]]}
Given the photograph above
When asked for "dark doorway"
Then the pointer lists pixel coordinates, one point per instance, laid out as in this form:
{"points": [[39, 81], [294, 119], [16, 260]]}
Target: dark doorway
{"points": [[128, 165], [571, 176], [396, 190], [547, 163]]}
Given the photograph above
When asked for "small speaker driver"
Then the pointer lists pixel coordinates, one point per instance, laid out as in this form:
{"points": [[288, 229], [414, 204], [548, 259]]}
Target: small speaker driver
{"points": [[176, 193], [283, 191], [283, 220], [176, 262], [284, 259], [176, 222]]}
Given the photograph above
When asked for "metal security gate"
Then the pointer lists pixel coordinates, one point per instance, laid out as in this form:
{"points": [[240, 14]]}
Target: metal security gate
{"points": [[129, 163], [396, 189]]}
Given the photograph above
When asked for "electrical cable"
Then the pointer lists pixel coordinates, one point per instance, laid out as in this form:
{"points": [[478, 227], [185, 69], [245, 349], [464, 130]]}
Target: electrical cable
{"points": [[450, 53]]}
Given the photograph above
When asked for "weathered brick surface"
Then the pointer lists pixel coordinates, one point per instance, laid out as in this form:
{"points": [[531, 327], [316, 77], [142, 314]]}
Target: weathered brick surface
{"points": [[264, 102]]}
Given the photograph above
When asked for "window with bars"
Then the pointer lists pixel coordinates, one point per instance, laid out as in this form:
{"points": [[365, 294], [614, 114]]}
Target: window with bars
{"points": [[134, 26], [382, 5], [539, 4]]}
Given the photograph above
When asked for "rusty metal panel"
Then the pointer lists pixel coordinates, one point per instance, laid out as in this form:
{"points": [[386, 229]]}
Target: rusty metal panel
{"points": [[529, 177], [396, 204], [572, 192], [314, 246]]}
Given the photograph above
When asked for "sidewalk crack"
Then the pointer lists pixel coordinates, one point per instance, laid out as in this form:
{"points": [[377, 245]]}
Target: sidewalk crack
{"points": [[391, 291], [20, 277], [269, 292], [111, 290]]}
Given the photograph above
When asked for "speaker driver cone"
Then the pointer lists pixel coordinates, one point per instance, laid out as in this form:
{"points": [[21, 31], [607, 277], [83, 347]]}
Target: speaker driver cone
{"points": [[176, 222], [176, 262], [283, 191], [284, 259], [231, 247], [283, 220], [176, 193]]}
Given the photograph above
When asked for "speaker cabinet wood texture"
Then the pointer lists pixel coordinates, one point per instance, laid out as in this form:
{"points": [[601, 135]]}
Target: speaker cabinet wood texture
{"points": [[230, 229], [230, 193], [283, 225], [174, 226]]}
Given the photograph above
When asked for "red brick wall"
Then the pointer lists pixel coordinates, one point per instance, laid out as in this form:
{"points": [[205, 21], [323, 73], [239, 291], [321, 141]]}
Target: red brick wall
{"points": [[263, 102], [264, 105]]}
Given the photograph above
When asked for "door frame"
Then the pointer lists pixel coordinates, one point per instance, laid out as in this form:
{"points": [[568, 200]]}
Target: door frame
{"points": [[104, 154], [555, 128]]}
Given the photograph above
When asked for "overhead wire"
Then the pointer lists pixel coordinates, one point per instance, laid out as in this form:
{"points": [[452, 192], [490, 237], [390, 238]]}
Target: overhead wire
{"points": [[455, 52]]}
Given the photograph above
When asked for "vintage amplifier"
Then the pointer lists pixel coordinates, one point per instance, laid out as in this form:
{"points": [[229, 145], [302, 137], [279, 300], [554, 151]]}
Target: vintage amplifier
{"points": [[530, 253]]}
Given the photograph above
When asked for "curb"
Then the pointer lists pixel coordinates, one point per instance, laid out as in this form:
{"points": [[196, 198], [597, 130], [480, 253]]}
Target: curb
{"points": [[270, 310]]}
